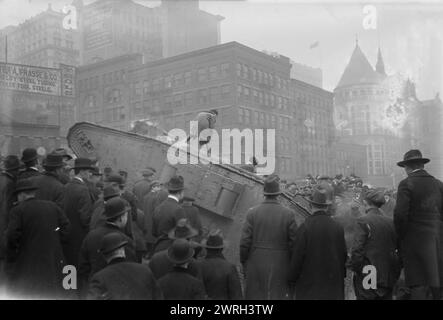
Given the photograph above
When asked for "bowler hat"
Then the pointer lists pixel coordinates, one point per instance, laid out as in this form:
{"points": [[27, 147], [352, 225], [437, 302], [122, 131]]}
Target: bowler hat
{"points": [[29, 154], [376, 197], [83, 163], [180, 251], [214, 240], [110, 192], [112, 241], [320, 197], [115, 207], [24, 185], [115, 178], [176, 183], [11, 163], [62, 152], [183, 230], [412, 156], [53, 161], [272, 186]]}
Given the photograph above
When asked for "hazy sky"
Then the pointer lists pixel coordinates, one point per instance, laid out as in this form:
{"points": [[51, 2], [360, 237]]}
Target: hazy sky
{"points": [[289, 27]]}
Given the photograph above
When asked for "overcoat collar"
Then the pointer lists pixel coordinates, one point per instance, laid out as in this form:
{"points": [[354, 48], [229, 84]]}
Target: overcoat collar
{"points": [[271, 201], [420, 173], [320, 213], [116, 260], [212, 255]]}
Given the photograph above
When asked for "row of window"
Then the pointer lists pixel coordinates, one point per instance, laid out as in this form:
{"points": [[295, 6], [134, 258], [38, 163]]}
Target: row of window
{"points": [[257, 118], [107, 79], [263, 98], [311, 100], [360, 92], [246, 72]]}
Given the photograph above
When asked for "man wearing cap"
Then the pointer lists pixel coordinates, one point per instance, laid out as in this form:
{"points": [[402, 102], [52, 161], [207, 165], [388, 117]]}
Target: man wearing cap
{"points": [[375, 244], [90, 261], [319, 255], [167, 214], [205, 120], [179, 284], [143, 187], [8, 179], [36, 231], [220, 277], [417, 216], [265, 246], [48, 184], [78, 208], [30, 159], [160, 264], [122, 279]]}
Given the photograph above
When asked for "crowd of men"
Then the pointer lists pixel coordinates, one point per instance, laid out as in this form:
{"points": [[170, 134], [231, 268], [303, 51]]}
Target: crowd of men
{"points": [[147, 241]]}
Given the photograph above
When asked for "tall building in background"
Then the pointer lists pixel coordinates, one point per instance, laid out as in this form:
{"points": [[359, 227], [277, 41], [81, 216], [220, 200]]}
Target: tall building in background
{"points": [[40, 41], [313, 76]]}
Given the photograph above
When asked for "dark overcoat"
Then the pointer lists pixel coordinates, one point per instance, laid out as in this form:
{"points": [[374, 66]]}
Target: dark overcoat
{"points": [[78, 209], [91, 260], [35, 235], [193, 215], [7, 199], [220, 278], [161, 265], [166, 216], [141, 189], [151, 201], [318, 260], [28, 173], [375, 243], [50, 188], [180, 285], [124, 280], [417, 217], [265, 248]]}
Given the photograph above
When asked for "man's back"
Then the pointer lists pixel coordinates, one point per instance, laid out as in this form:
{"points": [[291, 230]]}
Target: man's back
{"points": [[166, 216], [180, 285], [49, 188], [122, 280]]}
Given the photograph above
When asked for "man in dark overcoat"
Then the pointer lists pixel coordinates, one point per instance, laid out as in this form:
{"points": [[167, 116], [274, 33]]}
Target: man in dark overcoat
{"points": [[265, 246], [30, 159], [122, 279], [220, 276], [48, 184], [8, 179], [417, 216], [319, 255], [98, 218], [78, 208], [375, 244], [65, 175], [91, 261], [179, 284], [36, 231], [143, 187], [167, 214]]}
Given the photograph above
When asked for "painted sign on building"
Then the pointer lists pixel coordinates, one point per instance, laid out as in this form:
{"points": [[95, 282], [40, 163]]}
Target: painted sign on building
{"points": [[30, 79], [68, 80]]}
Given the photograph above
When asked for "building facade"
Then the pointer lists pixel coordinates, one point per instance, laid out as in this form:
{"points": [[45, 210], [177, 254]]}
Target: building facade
{"points": [[40, 41], [313, 76]]}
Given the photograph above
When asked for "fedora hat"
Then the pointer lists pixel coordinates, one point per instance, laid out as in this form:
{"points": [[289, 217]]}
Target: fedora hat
{"points": [[183, 230], [112, 241], [110, 192], [272, 186], [24, 185], [180, 251], [29, 154], [176, 183], [53, 161], [320, 197], [214, 241], [412, 156], [114, 178], [115, 207], [83, 163], [62, 152], [11, 163]]}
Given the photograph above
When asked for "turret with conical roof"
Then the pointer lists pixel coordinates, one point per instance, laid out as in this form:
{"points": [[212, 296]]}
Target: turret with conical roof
{"points": [[380, 66]]}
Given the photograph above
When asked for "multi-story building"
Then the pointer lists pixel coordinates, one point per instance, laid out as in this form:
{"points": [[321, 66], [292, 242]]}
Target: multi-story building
{"points": [[111, 28], [313, 76], [41, 41]]}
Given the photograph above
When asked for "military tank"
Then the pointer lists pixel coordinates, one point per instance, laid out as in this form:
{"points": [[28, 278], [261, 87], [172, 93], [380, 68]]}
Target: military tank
{"points": [[223, 192]]}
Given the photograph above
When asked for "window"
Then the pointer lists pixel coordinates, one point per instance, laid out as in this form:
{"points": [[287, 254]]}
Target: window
{"points": [[245, 71], [262, 119], [214, 94], [279, 103], [260, 97], [90, 101], [138, 110], [271, 80], [225, 70], [240, 115], [212, 72], [146, 86], [168, 82], [178, 80], [265, 78], [254, 74], [256, 117], [266, 99], [273, 122], [259, 76], [202, 75], [189, 99], [239, 91], [247, 116], [246, 92], [156, 84], [272, 100], [226, 92], [114, 96], [203, 96], [188, 77], [255, 95], [137, 88], [178, 101], [168, 102]]}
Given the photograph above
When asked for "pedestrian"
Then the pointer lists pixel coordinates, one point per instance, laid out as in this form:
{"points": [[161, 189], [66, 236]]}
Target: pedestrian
{"points": [[192, 213], [179, 284], [78, 208], [143, 187], [49, 186], [220, 277], [30, 159], [388, 207], [375, 244], [90, 261], [417, 217], [36, 231], [122, 279], [318, 259], [265, 246], [65, 176], [205, 120], [167, 214], [98, 218], [8, 179]]}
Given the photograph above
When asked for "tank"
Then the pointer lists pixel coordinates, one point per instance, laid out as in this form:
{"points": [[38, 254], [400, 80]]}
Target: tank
{"points": [[223, 192]]}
